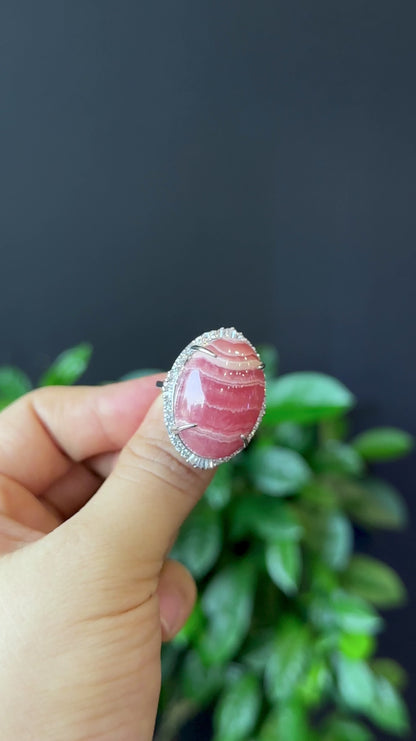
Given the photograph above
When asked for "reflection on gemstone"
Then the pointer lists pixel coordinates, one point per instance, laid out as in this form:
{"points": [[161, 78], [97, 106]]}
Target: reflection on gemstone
{"points": [[222, 394]]}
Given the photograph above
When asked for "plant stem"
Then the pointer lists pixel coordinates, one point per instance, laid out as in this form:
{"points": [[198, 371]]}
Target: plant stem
{"points": [[174, 717]]}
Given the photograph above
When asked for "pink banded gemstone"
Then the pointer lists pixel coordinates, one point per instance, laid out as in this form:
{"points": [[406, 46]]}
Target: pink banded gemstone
{"points": [[223, 396]]}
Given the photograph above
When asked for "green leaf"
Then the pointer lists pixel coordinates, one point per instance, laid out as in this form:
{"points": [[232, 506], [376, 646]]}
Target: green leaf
{"points": [[374, 581], [314, 521], [270, 358], [345, 611], [283, 563], [335, 428], [337, 541], [288, 659], [353, 615], [391, 670], [338, 457], [68, 367], [340, 729], [293, 436], [140, 373], [13, 384], [269, 731], [355, 683], [277, 471], [233, 672], [383, 443], [356, 645], [377, 504], [257, 649], [327, 643], [218, 493], [374, 695], [328, 533], [306, 397], [264, 516], [192, 628], [314, 685], [199, 682], [238, 708], [228, 604], [199, 541], [287, 723], [388, 710], [317, 492]]}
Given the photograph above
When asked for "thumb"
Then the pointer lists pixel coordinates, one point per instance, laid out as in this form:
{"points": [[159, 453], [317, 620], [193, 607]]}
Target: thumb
{"points": [[135, 515]]}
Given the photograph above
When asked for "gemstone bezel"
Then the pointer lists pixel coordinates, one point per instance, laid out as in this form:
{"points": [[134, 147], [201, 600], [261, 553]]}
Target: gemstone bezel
{"points": [[169, 388]]}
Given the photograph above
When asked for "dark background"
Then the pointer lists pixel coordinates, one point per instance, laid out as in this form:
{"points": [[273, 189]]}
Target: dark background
{"points": [[172, 167]]}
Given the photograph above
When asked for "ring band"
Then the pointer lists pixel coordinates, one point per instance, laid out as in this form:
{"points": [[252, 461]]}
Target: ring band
{"points": [[214, 397]]}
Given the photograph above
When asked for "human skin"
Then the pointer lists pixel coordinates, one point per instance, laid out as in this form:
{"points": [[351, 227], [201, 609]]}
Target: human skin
{"points": [[92, 494]]}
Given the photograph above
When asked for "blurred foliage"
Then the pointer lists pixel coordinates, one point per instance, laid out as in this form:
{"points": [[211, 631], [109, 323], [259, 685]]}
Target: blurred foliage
{"points": [[64, 371], [282, 641]]}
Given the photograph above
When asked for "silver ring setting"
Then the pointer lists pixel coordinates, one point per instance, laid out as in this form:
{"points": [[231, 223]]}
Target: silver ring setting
{"points": [[214, 397]]}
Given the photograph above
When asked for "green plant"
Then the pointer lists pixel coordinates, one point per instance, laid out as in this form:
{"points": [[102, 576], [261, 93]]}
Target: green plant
{"points": [[64, 371], [282, 641]]}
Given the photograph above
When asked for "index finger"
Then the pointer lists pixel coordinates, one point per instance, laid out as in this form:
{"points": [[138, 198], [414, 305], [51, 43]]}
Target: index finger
{"points": [[46, 431]]}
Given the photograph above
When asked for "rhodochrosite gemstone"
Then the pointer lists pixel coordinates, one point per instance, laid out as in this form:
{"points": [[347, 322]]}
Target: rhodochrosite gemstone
{"points": [[221, 391]]}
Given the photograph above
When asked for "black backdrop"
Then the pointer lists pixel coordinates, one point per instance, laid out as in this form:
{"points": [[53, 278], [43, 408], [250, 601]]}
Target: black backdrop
{"points": [[171, 167]]}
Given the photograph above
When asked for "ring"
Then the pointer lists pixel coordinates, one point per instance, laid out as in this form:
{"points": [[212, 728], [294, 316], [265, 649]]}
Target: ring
{"points": [[214, 397]]}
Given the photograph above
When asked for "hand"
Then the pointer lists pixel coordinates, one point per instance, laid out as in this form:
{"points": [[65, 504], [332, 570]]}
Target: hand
{"points": [[86, 592]]}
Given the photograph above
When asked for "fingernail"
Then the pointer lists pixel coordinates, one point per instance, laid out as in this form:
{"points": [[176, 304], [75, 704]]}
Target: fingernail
{"points": [[171, 606]]}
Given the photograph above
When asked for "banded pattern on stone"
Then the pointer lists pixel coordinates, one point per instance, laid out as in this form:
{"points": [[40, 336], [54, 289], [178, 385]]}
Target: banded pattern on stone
{"points": [[223, 395]]}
